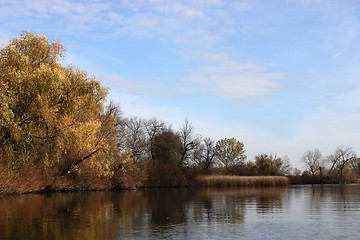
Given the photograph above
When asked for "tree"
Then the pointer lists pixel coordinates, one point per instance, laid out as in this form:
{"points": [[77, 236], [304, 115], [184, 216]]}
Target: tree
{"points": [[153, 128], [272, 165], [188, 141], [284, 165], [296, 172], [50, 115], [230, 152], [355, 165], [204, 154], [312, 161], [340, 159], [167, 148], [134, 137]]}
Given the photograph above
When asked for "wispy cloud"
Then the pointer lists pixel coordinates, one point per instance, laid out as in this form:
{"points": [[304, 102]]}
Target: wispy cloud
{"points": [[233, 81], [227, 78], [344, 98], [64, 13], [196, 20]]}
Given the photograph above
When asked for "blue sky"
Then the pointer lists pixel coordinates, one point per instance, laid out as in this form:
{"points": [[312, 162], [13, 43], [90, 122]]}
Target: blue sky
{"points": [[281, 76]]}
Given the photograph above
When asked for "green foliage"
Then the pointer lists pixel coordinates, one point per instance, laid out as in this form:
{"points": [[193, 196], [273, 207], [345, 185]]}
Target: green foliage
{"points": [[230, 152]]}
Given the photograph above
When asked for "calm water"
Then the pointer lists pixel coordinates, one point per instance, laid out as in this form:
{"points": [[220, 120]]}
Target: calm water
{"points": [[297, 212]]}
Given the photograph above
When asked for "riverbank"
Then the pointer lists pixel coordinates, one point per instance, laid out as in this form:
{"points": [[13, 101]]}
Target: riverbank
{"points": [[32, 179], [34, 183]]}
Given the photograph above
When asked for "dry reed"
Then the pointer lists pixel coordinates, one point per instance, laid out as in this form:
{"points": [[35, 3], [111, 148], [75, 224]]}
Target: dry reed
{"points": [[238, 181]]}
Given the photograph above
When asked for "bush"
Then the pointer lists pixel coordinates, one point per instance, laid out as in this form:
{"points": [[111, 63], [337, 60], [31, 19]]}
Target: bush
{"points": [[166, 175]]}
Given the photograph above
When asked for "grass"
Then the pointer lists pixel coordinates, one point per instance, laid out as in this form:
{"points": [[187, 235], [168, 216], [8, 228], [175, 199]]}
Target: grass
{"points": [[238, 181]]}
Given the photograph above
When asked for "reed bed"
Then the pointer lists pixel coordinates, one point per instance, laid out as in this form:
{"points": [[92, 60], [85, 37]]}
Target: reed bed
{"points": [[239, 181]]}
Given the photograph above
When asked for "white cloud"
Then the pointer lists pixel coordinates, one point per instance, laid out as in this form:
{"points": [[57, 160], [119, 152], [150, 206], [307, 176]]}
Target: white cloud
{"points": [[231, 79], [176, 21]]}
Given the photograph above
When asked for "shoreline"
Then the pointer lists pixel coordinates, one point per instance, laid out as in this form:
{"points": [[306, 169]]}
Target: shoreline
{"points": [[203, 181]]}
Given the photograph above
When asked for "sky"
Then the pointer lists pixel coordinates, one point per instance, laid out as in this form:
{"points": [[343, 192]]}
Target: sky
{"points": [[280, 76]]}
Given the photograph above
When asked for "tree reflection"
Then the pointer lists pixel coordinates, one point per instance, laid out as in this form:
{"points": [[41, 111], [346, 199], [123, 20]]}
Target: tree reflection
{"points": [[230, 205], [128, 214], [342, 198]]}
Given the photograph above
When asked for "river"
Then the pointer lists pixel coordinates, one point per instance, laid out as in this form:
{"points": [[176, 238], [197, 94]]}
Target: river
{"points": [[294, 212]]}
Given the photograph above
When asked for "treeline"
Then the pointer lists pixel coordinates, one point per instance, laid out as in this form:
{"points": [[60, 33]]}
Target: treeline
{"points": [[342, 166], [58, 132], [153, 141]]}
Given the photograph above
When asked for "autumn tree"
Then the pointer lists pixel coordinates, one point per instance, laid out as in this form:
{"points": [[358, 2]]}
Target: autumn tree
{"points": [[230, 152], [50, 115], [312, 160], [340, 159], [272, 165]]}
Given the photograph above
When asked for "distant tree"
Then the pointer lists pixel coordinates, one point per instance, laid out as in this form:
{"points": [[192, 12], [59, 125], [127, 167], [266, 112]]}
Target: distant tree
{"points": [[272, 165], [284, 165], [355, 165], [167, 148], [230, 152], [204, 154], [340, 159], [188, 141], [296, 172], [134, 137], [153, 128], [312, 161]]}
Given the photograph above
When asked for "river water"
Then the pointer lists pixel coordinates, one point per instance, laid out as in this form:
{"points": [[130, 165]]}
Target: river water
{"points": [[295, 212]]}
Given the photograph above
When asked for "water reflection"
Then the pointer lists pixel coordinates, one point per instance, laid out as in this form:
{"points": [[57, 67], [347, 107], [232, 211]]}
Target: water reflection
{"points": [[178, 213], [324, 198]]}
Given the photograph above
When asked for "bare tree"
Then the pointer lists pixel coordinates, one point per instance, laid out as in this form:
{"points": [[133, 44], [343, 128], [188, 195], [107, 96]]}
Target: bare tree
{"points": [[285, 166], [312, 161], [134, 137], [204, 154], [355, 165], [153, 127], [342, 156], [189, 143]]}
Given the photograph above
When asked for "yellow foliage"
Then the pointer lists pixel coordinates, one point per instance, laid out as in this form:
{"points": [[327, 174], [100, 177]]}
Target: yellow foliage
{"points": [[230, 151], [49, 114]]}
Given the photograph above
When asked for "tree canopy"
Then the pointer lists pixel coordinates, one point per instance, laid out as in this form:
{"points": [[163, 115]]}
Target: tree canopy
{"points": [[230, 151], [49, 113]]}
